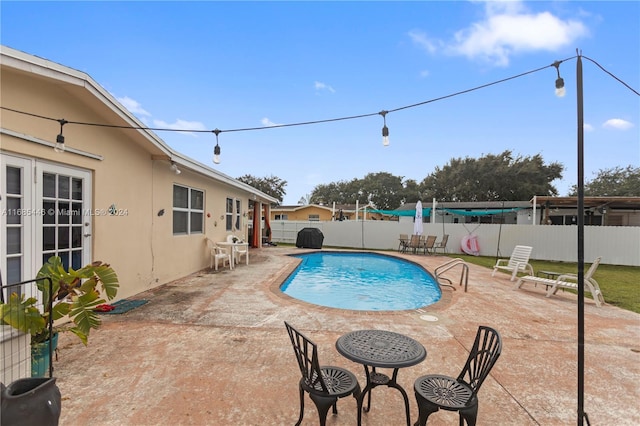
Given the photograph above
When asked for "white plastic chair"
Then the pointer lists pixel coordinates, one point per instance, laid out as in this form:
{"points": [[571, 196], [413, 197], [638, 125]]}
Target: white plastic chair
{"points": [[239, 250], [218, 254]]}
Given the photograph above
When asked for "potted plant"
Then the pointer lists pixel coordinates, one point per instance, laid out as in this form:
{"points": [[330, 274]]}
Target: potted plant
{"points": [[75, 294]]}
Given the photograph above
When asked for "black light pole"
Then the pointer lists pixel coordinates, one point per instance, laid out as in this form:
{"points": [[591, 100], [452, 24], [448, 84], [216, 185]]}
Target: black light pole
{"points": [[582, 416]]}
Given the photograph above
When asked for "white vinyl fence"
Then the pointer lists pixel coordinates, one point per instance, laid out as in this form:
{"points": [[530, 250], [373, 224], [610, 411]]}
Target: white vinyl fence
{"points": [[618, 245]]}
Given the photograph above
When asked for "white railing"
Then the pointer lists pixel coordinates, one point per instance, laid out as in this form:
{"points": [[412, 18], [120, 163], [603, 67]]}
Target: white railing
{"points": [[618, 245]]}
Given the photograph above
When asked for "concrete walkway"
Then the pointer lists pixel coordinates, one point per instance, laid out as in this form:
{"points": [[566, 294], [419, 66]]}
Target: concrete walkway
{"points": [[212, 349]]}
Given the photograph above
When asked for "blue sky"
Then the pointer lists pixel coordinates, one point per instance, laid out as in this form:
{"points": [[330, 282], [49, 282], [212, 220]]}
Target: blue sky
{"points": [[237, 65]]}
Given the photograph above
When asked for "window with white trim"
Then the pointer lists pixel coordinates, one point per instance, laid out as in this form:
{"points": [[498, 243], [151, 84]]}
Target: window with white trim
{"points": [[281, 217], [188, 210], [229, 214], [238, 213], [314, 218]]}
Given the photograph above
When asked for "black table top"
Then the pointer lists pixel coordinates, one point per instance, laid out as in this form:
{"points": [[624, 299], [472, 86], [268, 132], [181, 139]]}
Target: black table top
{"points": [[380, 348]]}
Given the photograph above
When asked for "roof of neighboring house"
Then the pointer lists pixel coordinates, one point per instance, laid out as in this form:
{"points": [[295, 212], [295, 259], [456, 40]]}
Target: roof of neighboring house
{"points": [[474, 205], [80, 83], [299, 207], [589, 202]]}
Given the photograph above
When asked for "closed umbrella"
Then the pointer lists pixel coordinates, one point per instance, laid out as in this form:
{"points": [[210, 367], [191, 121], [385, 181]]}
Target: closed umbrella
{"points": [[417, 225]]}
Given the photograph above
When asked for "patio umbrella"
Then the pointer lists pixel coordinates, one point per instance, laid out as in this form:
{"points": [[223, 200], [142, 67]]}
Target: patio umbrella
{"points": [[417, 225]]}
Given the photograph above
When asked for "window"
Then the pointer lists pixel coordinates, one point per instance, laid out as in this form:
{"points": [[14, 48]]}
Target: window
{"points": [[314, 218], [188, 210], [229, 214], [237, 214], [281, 217]]}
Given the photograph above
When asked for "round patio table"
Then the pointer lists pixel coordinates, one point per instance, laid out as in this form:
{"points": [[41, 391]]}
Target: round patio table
{"points": [[380, 349]]}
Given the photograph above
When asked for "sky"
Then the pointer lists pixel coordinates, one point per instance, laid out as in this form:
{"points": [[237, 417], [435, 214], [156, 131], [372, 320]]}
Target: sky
{"points": [[233, 66]]}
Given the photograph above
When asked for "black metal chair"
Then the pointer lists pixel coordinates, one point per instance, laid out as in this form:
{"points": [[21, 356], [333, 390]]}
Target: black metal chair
{"points": [[324, 384], [434, 392]]}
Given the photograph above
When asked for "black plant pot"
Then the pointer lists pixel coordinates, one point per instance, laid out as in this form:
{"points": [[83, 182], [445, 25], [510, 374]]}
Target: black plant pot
{"points": [[31, 401]]}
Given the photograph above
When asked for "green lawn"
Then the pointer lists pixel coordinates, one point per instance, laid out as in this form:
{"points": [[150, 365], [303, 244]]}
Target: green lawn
{"points": [[620, 285]]}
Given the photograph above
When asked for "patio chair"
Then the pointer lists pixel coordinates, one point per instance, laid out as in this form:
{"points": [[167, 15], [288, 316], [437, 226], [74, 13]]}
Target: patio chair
{"points": [[518, 262], [435, 392], [442, 245], [218, 254], [568, 281], [404, 243], [325, 384], [238, 251], [428, 244], [414, 243]]}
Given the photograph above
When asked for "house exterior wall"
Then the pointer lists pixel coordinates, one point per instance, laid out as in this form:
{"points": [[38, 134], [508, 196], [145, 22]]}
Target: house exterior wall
{"points": [[129, 170]]}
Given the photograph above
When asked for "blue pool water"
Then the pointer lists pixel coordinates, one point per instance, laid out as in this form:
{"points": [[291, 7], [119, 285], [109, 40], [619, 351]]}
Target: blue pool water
{"points": [[361, 281]]}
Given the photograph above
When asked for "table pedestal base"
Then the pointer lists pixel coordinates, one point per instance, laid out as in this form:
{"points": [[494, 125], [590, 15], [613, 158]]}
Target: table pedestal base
{"points": [[375, 379]]}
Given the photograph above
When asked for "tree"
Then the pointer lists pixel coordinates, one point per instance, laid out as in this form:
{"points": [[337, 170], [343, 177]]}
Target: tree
{"points": [[492, 178], [270, 185], [384, 190], [613, 182], [341, 192]]}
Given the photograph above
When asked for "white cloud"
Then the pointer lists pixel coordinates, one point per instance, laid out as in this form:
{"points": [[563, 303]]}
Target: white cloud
{"points": [[617, 124], [268, 123], [421, 39], [508, 28], [424, 73], [321, 86], [133, 106], [180, 125], [587, 127]]}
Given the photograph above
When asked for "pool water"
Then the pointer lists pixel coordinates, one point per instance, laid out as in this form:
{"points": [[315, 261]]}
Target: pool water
{"points": [[361, 281]]}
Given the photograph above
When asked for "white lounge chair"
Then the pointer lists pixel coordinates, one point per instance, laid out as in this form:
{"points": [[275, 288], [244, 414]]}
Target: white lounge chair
{"points": [[518, 262], [569, 281]]}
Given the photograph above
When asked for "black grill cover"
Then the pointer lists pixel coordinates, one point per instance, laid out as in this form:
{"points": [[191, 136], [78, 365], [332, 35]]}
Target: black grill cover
{"points": [[310, 238]]}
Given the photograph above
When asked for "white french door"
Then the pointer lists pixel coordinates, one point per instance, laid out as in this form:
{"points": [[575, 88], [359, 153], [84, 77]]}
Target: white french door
{"points": [[45, 211]]}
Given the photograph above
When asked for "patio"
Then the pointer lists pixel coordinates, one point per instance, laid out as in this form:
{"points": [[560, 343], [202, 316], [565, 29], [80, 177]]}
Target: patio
{"points": [[212, 349]]}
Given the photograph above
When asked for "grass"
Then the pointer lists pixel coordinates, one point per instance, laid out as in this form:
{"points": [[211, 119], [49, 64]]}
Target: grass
{"points": [[620, 285]]}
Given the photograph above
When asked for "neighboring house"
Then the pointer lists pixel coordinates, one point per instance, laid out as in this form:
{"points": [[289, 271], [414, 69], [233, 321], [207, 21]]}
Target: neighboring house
{"points": [[507, 212], [322, 213], [113, 194], [604, 211], [310, 212]]}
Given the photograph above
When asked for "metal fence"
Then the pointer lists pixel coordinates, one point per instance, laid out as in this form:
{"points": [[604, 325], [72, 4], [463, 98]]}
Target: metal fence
{"points": [[617, 245], [15, 345]]}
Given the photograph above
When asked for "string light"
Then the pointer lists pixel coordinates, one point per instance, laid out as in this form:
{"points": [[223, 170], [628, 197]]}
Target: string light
{"points": [[216, 149], [560, 91], [59, 146], [385, 129]]}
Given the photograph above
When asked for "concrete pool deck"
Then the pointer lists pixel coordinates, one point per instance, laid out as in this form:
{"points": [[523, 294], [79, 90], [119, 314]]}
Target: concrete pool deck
{"points": [[212, 349]]}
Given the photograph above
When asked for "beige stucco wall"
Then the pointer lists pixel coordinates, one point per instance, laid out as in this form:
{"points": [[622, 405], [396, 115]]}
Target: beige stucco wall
{"points": [[132, 173]]}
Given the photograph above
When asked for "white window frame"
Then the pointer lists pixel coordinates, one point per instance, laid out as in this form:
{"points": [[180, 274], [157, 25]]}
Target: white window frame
{"points": [[189, 210]]}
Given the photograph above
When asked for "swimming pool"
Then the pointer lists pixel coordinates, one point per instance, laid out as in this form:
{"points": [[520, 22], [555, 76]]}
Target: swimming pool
{"points": [[361, 281]]}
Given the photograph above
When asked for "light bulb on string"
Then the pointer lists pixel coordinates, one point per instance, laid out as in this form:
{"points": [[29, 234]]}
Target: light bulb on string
{"points": [[216, 149], [385, 129], [59, 145], [560, 90]]}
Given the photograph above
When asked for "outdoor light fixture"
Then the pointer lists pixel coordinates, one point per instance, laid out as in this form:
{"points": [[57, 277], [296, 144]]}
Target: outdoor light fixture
{"points": [[385, 129], [174, 168], [59, 146], [216, 149], [560, 92]]}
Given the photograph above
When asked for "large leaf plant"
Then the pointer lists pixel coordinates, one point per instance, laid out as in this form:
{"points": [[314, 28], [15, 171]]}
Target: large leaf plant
{"points": [[75, 295]]}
